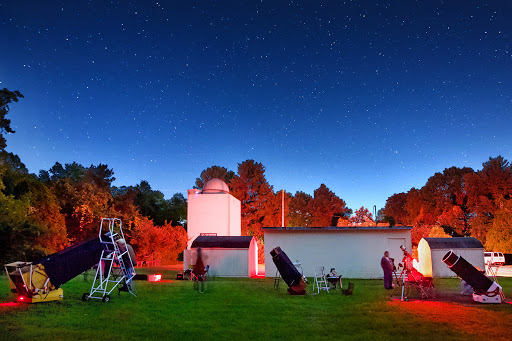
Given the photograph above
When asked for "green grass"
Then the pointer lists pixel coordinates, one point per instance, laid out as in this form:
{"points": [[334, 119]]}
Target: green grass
{"points": [[229, 309]]}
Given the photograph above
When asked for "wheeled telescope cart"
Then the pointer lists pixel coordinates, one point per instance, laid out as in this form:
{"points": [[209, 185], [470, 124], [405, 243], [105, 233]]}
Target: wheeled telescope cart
{"points": [[40, 281], [115, 252]]}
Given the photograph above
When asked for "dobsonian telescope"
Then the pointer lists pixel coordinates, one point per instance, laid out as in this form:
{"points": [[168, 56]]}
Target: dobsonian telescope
{"points": [[486, 291], [289, 272], [40, 281]]}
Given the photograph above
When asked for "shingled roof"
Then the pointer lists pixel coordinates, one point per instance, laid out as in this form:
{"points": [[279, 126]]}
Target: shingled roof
{"points": [[454, 243], [225, 242]]}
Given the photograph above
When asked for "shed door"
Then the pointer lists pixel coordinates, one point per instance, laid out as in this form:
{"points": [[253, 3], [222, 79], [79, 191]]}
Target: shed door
{"points": [[394, 249]]}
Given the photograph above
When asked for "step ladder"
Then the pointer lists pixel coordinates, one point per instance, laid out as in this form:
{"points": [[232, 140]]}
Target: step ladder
{"points": [[108, 276], [320, 281]]}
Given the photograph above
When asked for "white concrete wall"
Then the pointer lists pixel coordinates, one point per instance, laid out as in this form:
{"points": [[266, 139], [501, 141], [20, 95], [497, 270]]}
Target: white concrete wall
{"points": [[223, 262], [355, 253], [235, 217], [439, 269], [212, 213]]}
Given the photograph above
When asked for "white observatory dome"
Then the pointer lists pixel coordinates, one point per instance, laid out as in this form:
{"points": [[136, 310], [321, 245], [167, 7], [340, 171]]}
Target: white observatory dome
{"points": [[216, 186]]}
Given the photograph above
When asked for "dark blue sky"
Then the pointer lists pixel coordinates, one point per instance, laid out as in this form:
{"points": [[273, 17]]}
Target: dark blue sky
{"points": [[370, 98]]}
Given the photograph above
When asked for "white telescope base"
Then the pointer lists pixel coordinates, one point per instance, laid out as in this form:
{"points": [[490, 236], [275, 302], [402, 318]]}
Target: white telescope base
{"points": [[486, 299], [493, 295]]}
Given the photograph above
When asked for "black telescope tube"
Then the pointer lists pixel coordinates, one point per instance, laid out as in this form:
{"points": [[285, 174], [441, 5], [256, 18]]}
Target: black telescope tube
{"points": [[72, 261], [467, 272], [288, 271]]}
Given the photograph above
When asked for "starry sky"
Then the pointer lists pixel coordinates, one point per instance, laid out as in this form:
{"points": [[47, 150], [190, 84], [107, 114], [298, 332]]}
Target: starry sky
{"points": [[370, 98]]}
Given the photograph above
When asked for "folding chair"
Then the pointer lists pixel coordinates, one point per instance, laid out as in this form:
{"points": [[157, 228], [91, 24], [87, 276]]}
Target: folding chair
{"points": [[320, 281], [424, 285], [202, 277], [199, 279]]}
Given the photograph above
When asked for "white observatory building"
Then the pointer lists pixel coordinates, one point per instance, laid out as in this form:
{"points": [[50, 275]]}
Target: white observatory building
{"points": [[212, 212], [214, 225]]}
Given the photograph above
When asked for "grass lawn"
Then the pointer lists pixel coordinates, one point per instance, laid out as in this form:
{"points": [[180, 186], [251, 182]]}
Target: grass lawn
{"points": [[251, 309]]}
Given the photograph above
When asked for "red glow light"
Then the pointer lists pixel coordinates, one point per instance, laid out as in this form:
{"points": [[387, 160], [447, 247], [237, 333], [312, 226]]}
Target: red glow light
{"points": [[9, 304], [155, 278]]}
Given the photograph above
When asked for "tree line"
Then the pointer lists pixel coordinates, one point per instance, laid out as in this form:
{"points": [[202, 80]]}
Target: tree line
{"points": [[62, 206], [41, 214], [261, 204], [460, 202], [44, 213]]}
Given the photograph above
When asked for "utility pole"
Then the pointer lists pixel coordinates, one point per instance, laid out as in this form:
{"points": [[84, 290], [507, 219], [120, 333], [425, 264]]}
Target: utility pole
{"points": [[282, 208]]}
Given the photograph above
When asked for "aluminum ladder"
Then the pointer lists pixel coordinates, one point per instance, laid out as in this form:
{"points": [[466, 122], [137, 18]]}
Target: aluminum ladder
{"points": [[107, 276]]}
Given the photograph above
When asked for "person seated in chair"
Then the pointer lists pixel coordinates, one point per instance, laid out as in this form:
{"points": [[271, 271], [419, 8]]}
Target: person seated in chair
{"points": [[129, 262], [334, 278]]}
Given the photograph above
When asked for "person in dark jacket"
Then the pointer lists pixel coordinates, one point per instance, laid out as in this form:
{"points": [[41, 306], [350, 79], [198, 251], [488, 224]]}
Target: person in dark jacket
{"points": [[387, 265], [128, 260]]}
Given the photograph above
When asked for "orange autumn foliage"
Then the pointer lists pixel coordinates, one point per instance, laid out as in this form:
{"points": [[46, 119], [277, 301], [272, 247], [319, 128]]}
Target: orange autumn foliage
{"points": [[162, 243]]}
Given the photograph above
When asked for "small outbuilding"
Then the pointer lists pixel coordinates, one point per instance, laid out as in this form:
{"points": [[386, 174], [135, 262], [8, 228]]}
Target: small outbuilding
{"points": [[355, 252], [432, 250], [227, 256]]}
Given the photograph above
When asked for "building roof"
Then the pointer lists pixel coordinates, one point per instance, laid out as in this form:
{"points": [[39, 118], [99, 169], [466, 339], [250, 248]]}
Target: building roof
{"points": [[215, 186], [454, 243], [336, 228], [225, 242]]}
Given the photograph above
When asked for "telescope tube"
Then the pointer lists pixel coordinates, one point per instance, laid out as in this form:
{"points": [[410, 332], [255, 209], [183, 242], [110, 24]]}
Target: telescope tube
{"points": [[478, 281], [288, 271]]}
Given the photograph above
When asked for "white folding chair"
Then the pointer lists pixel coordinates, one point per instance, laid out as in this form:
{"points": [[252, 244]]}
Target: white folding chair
{"points": [[320, 282]]}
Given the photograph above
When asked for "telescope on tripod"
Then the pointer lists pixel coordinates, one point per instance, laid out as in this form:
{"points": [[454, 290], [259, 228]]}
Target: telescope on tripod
{"points": [[413, 277]]}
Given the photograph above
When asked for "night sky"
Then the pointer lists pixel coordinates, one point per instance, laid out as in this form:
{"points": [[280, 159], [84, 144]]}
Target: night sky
{"points": [[370, 98]]}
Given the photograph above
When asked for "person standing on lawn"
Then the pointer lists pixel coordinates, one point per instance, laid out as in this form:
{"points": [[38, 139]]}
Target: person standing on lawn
{"points": [[387, 265], [199, 271]]}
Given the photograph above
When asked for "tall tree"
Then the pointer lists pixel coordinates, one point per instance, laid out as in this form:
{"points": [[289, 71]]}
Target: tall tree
{"points": [[256, 196], [30, 221], [162, 243], [273, 211], [6, 98], [300, 214], [499, 236], [100, 175], [488, 190], [214, 172], [124, 204], [326, 207], [176, 210], [413, 206], [151, 203], [84, 196], [395, 208], [445, 197], [13, 162], [362, 217]]}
